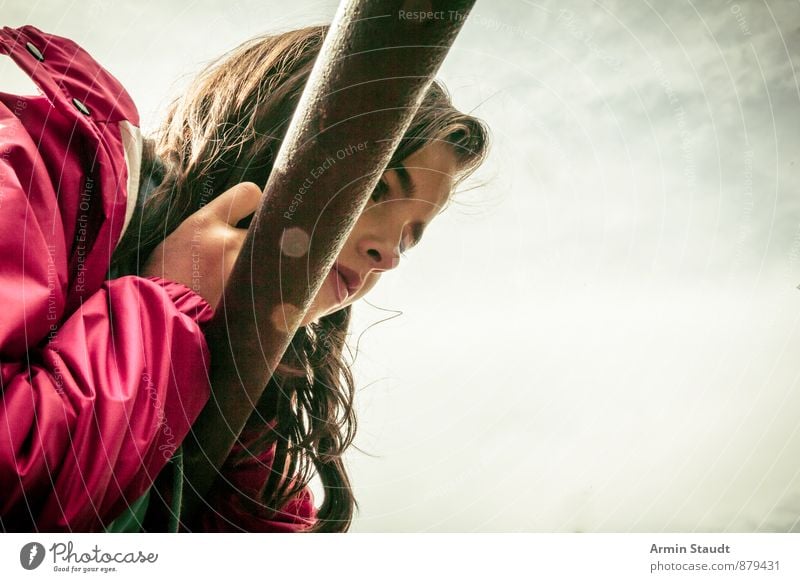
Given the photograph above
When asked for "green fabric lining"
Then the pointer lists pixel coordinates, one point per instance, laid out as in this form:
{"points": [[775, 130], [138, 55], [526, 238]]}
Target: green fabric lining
{"points": [[177, 491], [131, 520]]}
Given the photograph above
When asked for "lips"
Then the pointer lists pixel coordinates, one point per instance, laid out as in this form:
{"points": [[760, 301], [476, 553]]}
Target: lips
{"points": [[352, 280], [339, 286]]}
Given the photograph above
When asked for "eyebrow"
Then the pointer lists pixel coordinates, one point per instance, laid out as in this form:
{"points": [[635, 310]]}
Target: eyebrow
{"points": [[406, 182]]}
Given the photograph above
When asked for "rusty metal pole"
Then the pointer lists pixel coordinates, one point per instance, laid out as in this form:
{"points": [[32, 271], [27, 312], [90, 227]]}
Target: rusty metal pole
{"points": [[376, 63]]}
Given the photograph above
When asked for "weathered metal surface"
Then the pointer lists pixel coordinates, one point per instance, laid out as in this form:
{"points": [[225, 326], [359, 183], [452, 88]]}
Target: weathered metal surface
{"points": [[376, 63]]}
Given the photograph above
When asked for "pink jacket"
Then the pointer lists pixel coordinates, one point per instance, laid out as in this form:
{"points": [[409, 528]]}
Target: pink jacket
{"points": [[100, 380]]}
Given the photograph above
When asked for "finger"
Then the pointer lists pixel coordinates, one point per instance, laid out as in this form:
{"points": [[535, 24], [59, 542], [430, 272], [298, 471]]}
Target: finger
{"points": [[236, 203]]}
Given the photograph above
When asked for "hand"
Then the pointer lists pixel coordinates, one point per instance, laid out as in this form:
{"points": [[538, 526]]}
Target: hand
{"points": [[201, 252]]}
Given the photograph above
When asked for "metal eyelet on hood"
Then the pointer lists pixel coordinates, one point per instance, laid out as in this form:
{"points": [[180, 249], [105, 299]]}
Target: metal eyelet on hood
{"points": [[81, 107], [34, 50]]}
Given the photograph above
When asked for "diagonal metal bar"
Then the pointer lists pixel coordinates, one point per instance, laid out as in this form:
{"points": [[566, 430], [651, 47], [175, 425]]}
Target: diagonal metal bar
{"points": [[378, 59]]}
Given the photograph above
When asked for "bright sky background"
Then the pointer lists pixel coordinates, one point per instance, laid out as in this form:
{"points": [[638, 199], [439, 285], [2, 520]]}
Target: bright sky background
{"points": [[605, 336]]}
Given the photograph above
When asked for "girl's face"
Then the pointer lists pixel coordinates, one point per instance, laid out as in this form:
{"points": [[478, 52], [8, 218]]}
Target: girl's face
{"points": [[407, 198]]}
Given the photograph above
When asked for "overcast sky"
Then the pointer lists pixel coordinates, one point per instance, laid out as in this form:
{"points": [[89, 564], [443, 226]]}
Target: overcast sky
{"points": [[604, 337]]}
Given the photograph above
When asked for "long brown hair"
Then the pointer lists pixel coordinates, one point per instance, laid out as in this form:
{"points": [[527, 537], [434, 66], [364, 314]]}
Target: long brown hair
{"points": [[226, 129]]}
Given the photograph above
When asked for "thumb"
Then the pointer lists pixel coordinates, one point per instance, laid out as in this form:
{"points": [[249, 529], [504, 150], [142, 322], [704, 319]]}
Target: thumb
{"points": [[236, 203]]}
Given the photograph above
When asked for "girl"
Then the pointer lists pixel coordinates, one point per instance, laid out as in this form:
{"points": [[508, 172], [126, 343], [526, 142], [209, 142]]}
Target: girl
{"points": [[104, 371]]}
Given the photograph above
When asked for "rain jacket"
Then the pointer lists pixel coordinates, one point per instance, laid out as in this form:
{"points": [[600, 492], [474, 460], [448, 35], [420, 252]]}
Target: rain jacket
{"points": [[100, 379]]}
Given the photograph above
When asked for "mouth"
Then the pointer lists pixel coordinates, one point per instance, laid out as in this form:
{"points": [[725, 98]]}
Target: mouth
{"points": [[348, 278]]}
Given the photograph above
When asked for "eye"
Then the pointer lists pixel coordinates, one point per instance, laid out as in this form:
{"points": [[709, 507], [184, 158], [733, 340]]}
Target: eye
{"points": [[380, 191], [407, 244]]}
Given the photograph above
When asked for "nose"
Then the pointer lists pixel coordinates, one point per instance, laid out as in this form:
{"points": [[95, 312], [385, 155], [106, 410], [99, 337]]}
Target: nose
{"points": [[381, 255]]}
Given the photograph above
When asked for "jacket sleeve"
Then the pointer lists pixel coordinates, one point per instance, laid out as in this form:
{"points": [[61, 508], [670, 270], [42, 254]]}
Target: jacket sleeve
{"points": [[88, 419], [99, 381]]}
